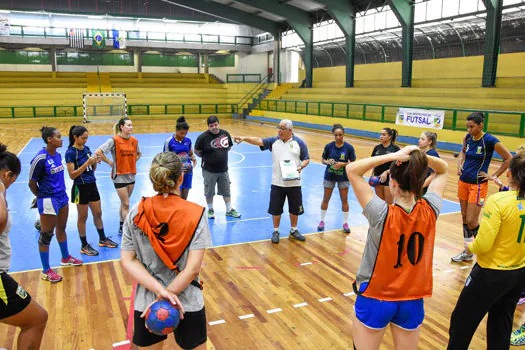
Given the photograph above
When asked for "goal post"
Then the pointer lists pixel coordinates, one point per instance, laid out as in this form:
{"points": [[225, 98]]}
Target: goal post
{"points": [[104, 106]]}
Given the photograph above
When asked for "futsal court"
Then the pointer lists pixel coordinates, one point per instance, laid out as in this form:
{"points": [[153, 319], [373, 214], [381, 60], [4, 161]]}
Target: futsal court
{"points": [[292, 295]]}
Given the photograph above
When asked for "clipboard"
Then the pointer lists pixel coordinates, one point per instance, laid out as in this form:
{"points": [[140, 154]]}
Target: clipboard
{"points": [[289, 170]]}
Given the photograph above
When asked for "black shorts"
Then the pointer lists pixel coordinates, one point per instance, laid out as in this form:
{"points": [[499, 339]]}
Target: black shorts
{"points": [[84, 194], [17, 297], [190, 333], [122, 185], [279, 194]]}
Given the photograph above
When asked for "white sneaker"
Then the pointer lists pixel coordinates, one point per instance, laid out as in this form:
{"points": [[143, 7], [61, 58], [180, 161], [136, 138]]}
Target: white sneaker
{"points": [[463, 256]]}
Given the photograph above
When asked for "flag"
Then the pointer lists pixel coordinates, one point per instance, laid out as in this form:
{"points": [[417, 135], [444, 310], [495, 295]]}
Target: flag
{"points": [[4, 25], [99, 41], [119, 39], [76, 37]]}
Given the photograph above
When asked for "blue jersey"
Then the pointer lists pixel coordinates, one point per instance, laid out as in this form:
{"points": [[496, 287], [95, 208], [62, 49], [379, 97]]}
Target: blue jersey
{"points": [[478, 155], [182, 148], [343, 154], [48, 172], [432, 152], [79, 157]]}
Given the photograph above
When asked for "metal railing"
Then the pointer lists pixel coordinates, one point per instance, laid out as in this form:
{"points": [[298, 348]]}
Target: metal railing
{"points": [[509, 123], [134, 109], [243, 78], [254, 92], [61, 32]]}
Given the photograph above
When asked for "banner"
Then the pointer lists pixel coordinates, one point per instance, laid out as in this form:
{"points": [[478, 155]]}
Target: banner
{"points": [[76, 37], [99, 41], [421, 118], [4, 25], [119, 39]]}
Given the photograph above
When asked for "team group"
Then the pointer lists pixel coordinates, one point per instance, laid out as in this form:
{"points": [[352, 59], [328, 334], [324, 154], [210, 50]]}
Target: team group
{"points": [[164, 237]]}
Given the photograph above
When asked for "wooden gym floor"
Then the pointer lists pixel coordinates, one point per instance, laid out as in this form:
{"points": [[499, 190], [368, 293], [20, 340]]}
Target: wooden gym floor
{"points": [[257, 295]]}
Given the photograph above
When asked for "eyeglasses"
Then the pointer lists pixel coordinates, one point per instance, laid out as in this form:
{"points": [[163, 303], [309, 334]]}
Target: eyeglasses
{"points": [[283, 128]]}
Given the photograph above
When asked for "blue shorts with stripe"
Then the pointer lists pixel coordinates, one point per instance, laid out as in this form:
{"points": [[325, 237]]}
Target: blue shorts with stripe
{"points": [[377, 314], [52, 205]]}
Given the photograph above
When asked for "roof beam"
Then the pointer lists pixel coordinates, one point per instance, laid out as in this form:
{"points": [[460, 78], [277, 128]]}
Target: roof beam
{"points": [[404, 11], [343, 12], [229, 13], [492, 42]]}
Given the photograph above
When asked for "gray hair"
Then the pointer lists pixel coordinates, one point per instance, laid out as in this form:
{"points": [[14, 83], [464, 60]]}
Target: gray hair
{"points": [[288, 123]]}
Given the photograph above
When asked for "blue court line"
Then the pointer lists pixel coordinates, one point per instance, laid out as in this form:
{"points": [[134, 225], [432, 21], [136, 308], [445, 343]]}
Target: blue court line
{"points": [[250, 174]]}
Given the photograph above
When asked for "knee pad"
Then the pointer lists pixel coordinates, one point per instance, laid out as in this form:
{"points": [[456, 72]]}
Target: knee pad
{"points": [[45, 238]]}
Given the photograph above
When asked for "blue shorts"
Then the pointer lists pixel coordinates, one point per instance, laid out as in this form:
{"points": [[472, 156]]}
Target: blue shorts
{"points": [[52, 205], [377, 314], [186, 183]]}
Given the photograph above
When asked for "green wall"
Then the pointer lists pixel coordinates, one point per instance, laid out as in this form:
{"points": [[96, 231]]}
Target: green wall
{"points": [[95, 59], [24, 57], [163, 60], [221, 61]]}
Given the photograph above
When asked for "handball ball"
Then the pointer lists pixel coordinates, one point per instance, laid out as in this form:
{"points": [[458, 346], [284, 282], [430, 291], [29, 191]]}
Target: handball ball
{"points": [[373, 181], [37, 225], [162, 318], [187, 167]]}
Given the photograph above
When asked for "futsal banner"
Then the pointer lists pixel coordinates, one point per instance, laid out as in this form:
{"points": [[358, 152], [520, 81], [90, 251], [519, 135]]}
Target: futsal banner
{"points": [[421, 118], [4, 25]]}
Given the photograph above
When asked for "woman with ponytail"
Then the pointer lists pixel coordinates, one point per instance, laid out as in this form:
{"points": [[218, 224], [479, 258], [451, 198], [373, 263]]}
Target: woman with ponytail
{"points": [[81, 165], [427, 143], [181, 145], [169, 236], [498, 278], [17, 308], [388, 145], [125, 151], [396, 269], [46, 182]]}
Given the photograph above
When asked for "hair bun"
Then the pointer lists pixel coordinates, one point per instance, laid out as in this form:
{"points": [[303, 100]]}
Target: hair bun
{"points": [[181, 120]]}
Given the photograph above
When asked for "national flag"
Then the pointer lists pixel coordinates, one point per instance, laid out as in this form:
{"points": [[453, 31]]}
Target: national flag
{"points": [[99, 41], [76, 37], [119, 39]]}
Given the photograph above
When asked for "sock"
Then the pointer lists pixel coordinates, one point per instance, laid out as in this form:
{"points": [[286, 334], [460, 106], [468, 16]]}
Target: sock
{"points": [[228, 206], [276, 229], [44, 258], [323, 214], [210, 206], [121, 224], [294, 228], [84, 241], [345, 217], [63, 249], [101, 234]]}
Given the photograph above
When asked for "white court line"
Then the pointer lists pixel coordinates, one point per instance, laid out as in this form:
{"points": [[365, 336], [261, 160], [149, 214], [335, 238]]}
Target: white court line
{"points": [[251, 167], [243, 317], [213, 323], [322, 300], [465, 267], [306, 263], [349, 294], [272, 311], [23, 148], [239, 161], [448, 271], [121, 343], [251, 219], [300, 305]]}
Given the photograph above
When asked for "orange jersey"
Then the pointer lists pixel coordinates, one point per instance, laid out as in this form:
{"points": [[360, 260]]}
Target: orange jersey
{"points": [[403, 265], [170, 223], [125, 155]]}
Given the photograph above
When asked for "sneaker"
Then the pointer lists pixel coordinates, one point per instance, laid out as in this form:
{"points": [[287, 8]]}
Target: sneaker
{"points": [[295, 234], [51, 276], [275, 237], [521, 301], [346, 228], [233, 213], [518, 336], [108, 243], [70, 261], [463, 256], [320, 227], [88, 250], [211, 214]]}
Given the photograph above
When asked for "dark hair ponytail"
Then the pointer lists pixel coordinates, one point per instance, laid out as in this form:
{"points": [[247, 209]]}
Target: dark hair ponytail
{"points": [[47, 131], [476, 117], [337, 126], [517, 170], [121, 122], [182, 124], [392, 133], [76, 130], [9, 161], [411, 175]]}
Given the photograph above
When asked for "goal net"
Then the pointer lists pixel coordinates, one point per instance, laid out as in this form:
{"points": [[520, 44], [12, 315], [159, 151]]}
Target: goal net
{"points": [[108, 106]]}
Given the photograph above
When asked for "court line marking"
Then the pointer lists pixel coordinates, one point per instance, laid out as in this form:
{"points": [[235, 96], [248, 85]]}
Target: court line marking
{"points": [[124, 342], [465, 267], [239, 161], [65, 267], [23, 148], [243, 317], [349, 294], [300, 305], [213, 323], [272, 311], [322, 300]]}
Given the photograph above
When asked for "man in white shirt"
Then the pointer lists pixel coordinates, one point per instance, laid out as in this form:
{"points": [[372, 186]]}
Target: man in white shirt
{"points": [[289, 158]]}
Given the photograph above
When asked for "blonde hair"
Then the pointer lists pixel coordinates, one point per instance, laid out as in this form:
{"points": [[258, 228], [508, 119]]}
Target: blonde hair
{"points": [[520, 149], [166, 169], [432, 136]]}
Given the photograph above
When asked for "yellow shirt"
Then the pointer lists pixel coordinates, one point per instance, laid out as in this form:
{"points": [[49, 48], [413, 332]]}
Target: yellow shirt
{"points": [[500, 243]]}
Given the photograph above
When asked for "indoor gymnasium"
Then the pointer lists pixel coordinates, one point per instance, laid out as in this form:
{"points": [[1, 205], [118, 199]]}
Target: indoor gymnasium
{"points": [[170, 166]]}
